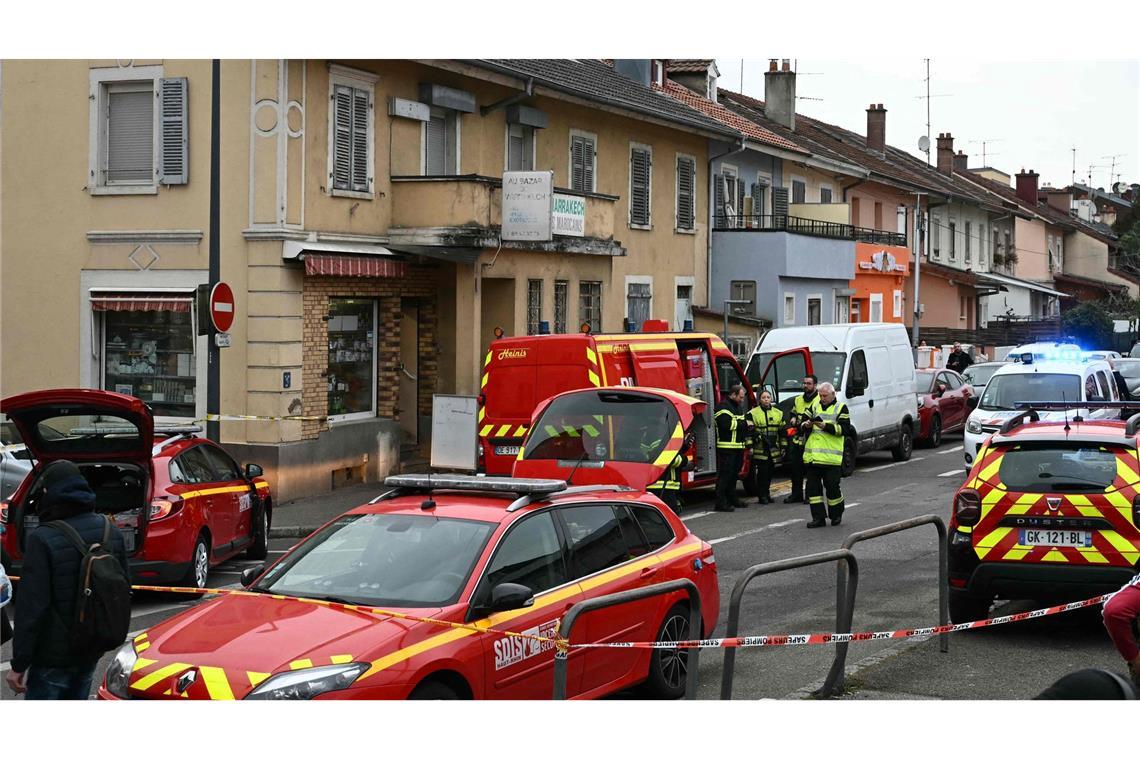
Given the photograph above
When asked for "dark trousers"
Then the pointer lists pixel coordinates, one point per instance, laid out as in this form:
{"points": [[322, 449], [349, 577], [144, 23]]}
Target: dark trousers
{"points": [[794, 461], [728, 464], [762, 470], [824, 479], [60, 683], [671, 497]]}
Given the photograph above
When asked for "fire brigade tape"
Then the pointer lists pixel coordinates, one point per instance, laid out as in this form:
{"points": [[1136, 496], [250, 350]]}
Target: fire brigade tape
{"points": [[562, 645]]}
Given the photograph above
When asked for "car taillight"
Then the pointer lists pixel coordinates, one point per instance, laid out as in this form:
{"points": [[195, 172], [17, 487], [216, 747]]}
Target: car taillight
{"points": [[967, 507], [160, 508], [3, 512]]}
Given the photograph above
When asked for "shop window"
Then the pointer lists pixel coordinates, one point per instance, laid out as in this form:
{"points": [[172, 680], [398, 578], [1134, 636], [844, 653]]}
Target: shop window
{"points": [[590, 304], [352, 358], [561, 297], [148, 351]]}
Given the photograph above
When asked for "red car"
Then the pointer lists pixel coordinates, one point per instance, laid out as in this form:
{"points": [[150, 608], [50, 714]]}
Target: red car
{"points": [[182, 502], [510, 553], [943, 404]]}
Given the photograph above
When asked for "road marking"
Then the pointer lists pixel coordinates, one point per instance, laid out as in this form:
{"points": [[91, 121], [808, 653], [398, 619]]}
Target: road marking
{"points": [[951, 451], [956, 471], [695, 516], [892, 464], [761, 529], [852, 504]]}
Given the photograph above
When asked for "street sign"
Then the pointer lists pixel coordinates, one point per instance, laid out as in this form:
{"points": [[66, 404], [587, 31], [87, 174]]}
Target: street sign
{"points": [[222, 307], [222, 340]]}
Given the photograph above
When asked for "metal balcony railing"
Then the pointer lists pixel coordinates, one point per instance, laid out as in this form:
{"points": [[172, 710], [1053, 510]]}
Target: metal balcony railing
{"points": [[801, 226]]}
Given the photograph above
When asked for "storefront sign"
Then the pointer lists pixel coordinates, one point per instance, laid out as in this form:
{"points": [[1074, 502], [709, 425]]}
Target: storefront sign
{"points": [[569, 215], [528, 200], [882, 259]]}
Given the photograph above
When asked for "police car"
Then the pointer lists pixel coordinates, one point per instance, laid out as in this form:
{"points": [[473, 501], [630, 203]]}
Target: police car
{"points": [[1050, 511], [509, 554], [1032, 380]]}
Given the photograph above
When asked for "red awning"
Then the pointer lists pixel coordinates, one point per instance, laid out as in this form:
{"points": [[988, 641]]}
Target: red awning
{"points": [[140, 302], [347, 265]]}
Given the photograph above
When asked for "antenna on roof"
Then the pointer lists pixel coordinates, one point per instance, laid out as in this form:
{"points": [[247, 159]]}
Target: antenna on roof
{"points": [[984, 142], [1066, 411]]}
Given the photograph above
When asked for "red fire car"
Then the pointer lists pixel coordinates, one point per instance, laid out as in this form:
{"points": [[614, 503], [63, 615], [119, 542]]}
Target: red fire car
{"points": [[943, 404], [511, 554], [182, 502]]}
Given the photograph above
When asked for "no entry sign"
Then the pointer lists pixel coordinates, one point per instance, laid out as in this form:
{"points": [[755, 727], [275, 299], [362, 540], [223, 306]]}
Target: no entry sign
{"points": [[222, 307]]}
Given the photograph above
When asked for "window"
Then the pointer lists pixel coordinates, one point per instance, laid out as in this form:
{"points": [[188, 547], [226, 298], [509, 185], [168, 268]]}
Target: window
{"points": [[954, 381], [799, 190], [936, 238], [149, 354], [583, 154], [351, 131], [728, 197], [638, 303], [760, 196], [656, 527], [982, 241], [815, 310], [742, 290], [635, 541], [530, 555], [878, 215], [856, 311], [876, 307], [441, 143], [898, 304], [640, 185], [901, 219], [561, 296], [967, 256], [727, 376], [224, 467], [996, 243], [595, 539], [1104, 394], [657, 71], [684, 306], [857, 376], [1049, 246], [590, 304], [953, 242], [686, 196], [789, 308], [533, 306], [520, 148], [825, 193], [192, 466], [1008, 250], [842, 310], [352, 358], [962, 307]]}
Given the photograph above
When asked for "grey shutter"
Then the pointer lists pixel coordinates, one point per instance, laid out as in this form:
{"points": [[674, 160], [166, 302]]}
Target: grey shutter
{"points": [[757, 191], [360, 106], [130, 136], [779, 201], [436, 163], [639, 168], [685, 211], [578, 164], [718, 200], [589, 155], [342, 137], [173, 166], [739, 202]]}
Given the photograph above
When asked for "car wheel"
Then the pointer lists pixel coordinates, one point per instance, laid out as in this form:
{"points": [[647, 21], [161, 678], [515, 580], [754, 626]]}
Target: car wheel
{"points": [[848, 467], [905, 447], [199, 569], [669, 668], [934, 440], [966, 608], [433, 690], [259, 549]]}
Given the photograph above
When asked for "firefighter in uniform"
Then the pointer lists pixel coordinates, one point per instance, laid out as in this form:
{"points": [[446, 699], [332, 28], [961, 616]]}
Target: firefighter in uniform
{"points": [[801, 406], [823, 456], [668, 486], [731, 432], [768, 444]]}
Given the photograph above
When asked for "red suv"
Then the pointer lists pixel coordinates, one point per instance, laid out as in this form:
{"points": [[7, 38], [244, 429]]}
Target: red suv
{"points": [[182, 502]]}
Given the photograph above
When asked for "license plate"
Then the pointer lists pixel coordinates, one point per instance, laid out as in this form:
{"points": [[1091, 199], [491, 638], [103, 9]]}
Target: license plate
{"points": [[507, 451], [1046, 537]]}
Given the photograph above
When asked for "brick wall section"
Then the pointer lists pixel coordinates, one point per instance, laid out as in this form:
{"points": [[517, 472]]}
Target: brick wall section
{"points": [[419, 284]]}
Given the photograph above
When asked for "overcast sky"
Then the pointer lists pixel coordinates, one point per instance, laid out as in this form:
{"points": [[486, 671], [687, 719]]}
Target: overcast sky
{"points": [[1033, 111]]}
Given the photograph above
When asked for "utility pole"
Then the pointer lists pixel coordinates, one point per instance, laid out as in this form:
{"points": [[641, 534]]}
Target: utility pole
{"points": [[213, 370], [1112, 168], [1073, 181], [918, 225], [927, 141]]}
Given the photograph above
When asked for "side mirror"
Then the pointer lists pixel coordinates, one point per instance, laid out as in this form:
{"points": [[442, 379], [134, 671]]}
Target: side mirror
{"points": [[253, 471], [510, 596], [250, 574]]}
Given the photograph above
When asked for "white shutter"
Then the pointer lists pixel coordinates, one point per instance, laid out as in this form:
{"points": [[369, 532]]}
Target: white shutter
{"points": [[360, 107], [130, 136], [174, 167], [436, 139], [342, 148]]}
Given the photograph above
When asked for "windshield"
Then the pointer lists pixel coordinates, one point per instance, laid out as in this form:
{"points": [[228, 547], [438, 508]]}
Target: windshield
{"points": [[980, 375], [1053, 467], [389, 560], [826, 365], [606, 425], [1005, 391]]}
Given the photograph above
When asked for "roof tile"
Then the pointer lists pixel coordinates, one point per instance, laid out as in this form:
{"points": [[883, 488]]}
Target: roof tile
{"points": [[727, 117]]}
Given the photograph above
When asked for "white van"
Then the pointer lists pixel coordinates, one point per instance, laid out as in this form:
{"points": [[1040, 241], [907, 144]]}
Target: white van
{"points": [[871, 366], [1020, 382]]}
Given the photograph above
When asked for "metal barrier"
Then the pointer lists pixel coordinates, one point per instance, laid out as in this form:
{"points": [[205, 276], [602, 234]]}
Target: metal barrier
{"points": [[625, 597], [844, 613], [768, 568]]}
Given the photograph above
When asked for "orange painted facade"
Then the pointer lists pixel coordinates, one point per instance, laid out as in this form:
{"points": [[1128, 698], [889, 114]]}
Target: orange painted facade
{"points": [[879, 284]]}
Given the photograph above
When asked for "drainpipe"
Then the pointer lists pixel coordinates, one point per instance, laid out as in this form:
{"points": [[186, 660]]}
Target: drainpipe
{"points": [[712, 211]]}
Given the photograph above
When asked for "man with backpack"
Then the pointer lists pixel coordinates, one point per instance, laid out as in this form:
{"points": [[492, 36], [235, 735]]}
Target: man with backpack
{"points": [[74, 597]]}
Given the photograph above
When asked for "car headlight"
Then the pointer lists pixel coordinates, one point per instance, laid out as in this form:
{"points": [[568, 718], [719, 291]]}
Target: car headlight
{"points": [[973, 426], [309, 682], [119, 671]]}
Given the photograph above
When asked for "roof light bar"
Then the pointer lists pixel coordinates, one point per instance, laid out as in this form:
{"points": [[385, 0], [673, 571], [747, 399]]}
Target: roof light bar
{"points": [[1047, 406], [421, 482]]}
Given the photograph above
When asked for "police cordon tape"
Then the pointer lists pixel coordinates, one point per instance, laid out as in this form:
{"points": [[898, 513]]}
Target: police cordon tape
{"points": [[736, 642]]}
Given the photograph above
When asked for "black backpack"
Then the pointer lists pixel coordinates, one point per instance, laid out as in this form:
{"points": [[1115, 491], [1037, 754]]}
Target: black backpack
{"points": [[103, 600]]}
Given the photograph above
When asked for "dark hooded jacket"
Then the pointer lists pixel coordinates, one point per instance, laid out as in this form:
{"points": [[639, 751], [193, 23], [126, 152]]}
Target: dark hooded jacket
{"points": [[49, 578]]}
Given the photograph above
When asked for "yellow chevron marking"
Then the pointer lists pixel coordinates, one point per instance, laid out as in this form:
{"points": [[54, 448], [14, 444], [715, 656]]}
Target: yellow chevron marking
{"points": [[340, 659], [1118, 500], [967, 529], [551, 430], [665, 457], [141, 663], [487, 360], [519, 458], [217, 685], [1054, 555], [142, 647], [988, 542], [591, 355], [594, 379], [991, 469], [141, 636], [1015, 553], [1120, 543], [482, 413], [591, 431], [150, 679], [1092, 555], [520, 431], [255, 678], [570, 431], [483, 384], [1078, 500], [299, 664], [1124, 471], [486, 430], [503, 430], [1088, 511]]}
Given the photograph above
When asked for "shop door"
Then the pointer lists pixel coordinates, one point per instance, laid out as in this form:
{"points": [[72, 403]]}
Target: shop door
{"points": [[409, 371]]}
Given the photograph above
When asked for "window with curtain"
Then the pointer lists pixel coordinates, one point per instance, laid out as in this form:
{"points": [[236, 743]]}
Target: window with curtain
{"points": [[441, 137], [590, 304], [129, 133]]}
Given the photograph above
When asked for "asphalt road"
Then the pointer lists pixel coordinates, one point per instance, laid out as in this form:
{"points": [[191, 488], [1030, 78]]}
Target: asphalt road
{"points": [[898, 589]]}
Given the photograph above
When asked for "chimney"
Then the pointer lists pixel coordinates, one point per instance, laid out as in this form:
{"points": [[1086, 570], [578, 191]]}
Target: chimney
{"points": [[877, 127], [1062, 200], [1027, 186], [780, 94], [945, 144], [961, 162]]}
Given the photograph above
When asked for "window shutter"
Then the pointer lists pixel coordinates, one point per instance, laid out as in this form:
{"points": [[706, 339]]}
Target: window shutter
{"points": [[577, 164], [360, 106], [130, 136], [685, 210], [516, 149], [174, 167], [718, 200], [739, 202], [757, 191], [436, 143], [342, 146], [780, 201], [639, 187], [589, 156]]}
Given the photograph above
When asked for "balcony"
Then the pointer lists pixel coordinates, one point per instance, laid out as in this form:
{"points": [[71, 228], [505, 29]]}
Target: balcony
{"points": [[803, 226]]}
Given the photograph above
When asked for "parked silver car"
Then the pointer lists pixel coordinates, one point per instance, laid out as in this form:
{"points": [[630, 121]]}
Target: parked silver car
{"points": [[978, 375]]}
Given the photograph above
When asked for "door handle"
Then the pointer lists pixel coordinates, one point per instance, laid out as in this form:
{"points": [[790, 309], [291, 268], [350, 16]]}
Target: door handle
{"points": [[649, 572], [871, 403]]}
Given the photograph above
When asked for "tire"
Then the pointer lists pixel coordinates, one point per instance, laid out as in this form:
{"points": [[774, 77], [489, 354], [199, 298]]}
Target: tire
{"points": [[433, 690], [199, 570], [260, 547], [934, 440], [965, 608], [905, 447], [848, 467], [668, 668]]}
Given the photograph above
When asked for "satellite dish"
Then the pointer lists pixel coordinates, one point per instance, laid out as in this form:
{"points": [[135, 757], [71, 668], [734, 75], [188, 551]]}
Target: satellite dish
{"points": [[924, 144], [1119, 187]]}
